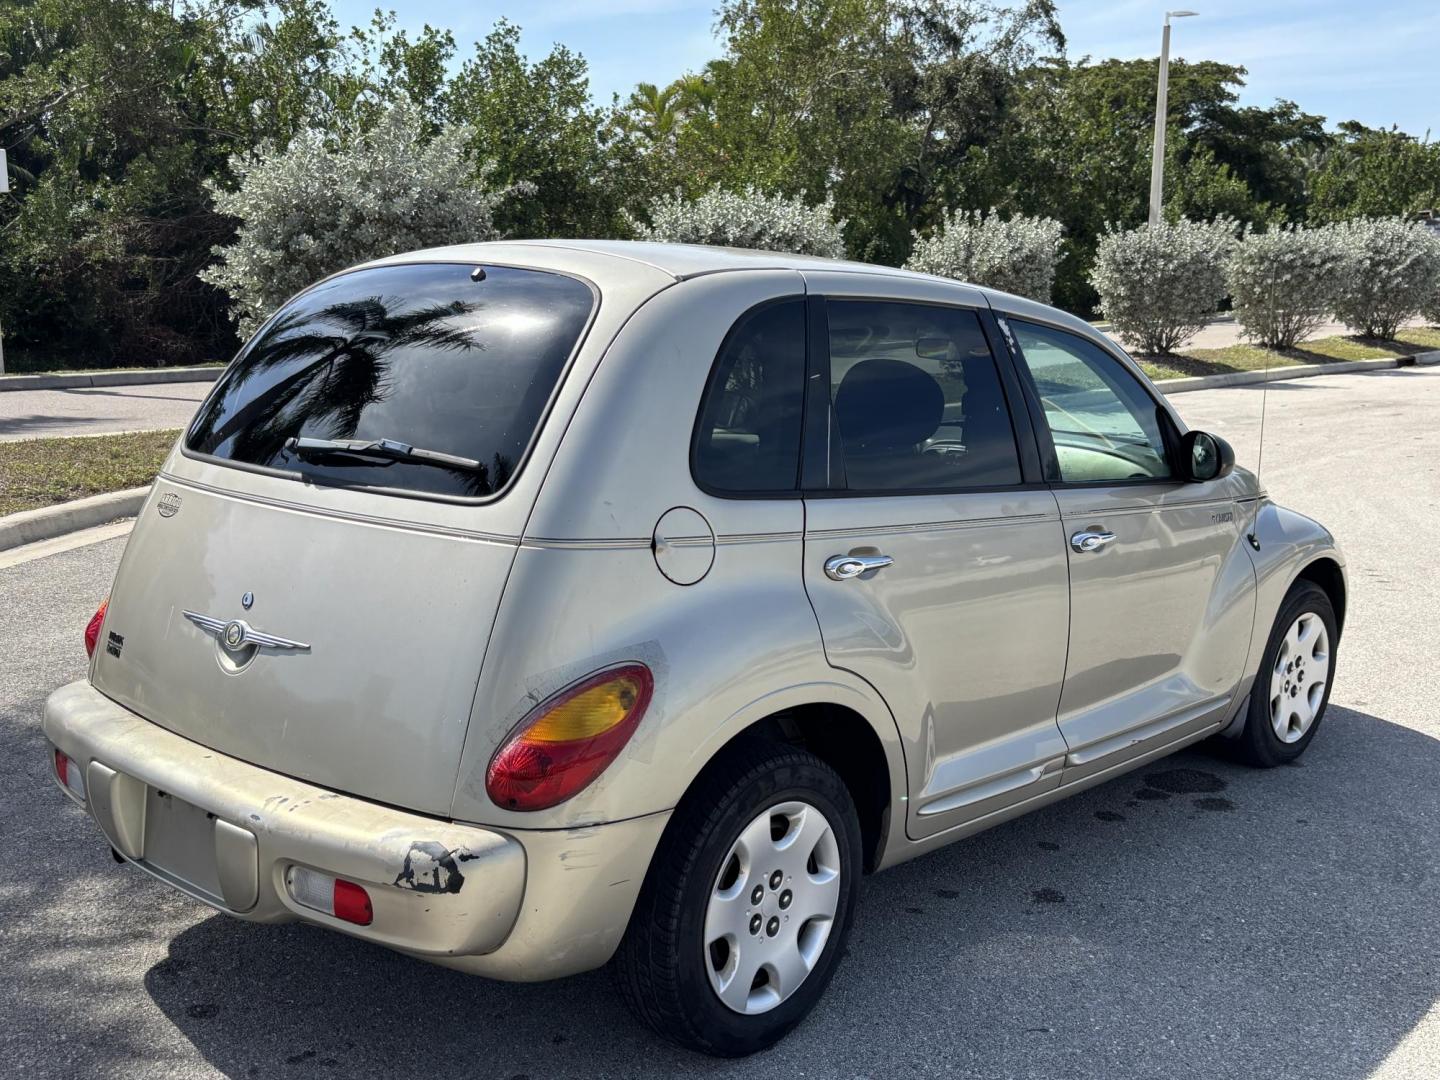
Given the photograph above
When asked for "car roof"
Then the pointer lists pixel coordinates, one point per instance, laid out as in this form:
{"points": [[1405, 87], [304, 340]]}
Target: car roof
{"points": [[610, 261], [677, 261]]}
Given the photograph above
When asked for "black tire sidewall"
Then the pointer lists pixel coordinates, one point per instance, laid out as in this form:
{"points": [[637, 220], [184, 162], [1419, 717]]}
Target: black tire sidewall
{"points": [[726, 1031], [1263, 745]]}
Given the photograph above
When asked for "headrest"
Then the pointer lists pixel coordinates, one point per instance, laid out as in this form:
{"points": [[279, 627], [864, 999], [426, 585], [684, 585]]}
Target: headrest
{"points": [[885, 405]]}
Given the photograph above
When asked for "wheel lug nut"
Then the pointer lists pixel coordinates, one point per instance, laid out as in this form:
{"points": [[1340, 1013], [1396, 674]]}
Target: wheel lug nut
{"points": [[785, 898], [755, 922], [775, 879], [773, 926], [757, 894]]}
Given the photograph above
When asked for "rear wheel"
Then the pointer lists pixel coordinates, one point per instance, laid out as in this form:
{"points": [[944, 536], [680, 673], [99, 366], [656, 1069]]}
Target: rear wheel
{"points": [[1292, 686], [747, 904]]}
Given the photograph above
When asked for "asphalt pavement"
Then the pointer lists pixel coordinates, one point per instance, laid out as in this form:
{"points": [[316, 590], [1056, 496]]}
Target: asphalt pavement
{"points": [[1194, 919], [99, 410]]}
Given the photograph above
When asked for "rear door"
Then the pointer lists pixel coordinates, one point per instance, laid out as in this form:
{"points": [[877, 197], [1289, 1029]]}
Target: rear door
{"points": [[324, 612], [933, 553], [1161, 592]]}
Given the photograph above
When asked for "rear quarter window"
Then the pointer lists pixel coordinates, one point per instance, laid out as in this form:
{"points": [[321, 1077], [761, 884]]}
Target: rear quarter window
{"points": [[421, 355]]}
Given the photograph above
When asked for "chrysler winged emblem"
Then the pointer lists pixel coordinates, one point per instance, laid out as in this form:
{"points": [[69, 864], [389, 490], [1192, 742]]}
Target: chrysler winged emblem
{"points": [[237, 634]]}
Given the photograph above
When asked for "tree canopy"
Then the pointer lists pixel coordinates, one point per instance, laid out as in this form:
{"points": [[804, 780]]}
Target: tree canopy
{"points": [[122, 117]]}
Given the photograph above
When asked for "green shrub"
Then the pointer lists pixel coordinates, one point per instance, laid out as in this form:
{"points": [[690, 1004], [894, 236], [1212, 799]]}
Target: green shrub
{"points": [[1018, 255], [1159, 284], [312, 209], [1391, 271], [1284, 283], [745, 219]]}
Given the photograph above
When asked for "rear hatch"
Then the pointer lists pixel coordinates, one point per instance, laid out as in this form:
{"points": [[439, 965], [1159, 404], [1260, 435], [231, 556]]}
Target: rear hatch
{"points": [[312, 585]]}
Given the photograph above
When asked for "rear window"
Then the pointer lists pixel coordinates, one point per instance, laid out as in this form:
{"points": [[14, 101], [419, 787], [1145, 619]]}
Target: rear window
{"points": [[454, 373]]}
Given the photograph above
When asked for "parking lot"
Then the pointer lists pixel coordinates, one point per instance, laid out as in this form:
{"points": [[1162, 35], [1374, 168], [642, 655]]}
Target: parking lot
{"points": [[1195, 919]]}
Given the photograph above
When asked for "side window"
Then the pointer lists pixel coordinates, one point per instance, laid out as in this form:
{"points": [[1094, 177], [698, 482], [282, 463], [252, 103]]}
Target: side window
{"points": [[1101, 419], [917, 399], [747, 439]]}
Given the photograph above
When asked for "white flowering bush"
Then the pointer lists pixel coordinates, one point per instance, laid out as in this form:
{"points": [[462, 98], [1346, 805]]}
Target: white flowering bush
{"points": [[1018, 255], [746, 219], [1283, 283], [1159, 284], [1390, 271], [311, 209]]}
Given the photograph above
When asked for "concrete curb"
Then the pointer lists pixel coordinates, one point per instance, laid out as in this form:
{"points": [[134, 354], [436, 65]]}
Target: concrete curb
{"points": [[1285, 374], [48, 522], [133, 377]]}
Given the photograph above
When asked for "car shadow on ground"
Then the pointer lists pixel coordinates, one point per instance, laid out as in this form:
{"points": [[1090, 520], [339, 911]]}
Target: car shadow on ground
{"points": [[1196, 918]]}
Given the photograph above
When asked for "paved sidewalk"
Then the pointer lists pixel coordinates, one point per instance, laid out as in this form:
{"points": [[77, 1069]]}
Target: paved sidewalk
{"points": [[38, 414]]}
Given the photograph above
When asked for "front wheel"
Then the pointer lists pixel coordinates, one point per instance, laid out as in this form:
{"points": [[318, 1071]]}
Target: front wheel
{"points": [[747, 904], [1292, 686]]}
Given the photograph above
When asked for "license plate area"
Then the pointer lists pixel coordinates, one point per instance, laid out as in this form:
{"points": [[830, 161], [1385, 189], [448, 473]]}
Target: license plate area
{"points": [[180, 844]]}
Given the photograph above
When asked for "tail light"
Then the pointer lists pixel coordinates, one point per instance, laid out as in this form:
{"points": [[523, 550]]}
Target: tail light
{"points": [[68, 770], [330, 895], [92, 629], [569, 740]]}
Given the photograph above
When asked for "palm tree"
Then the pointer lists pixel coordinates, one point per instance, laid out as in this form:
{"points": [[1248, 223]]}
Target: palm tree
{"points": [[341, 356], [657, 111]]}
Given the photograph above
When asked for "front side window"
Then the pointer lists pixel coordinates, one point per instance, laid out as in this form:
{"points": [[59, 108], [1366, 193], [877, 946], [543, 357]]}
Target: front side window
{"points": [[747, 438], [918, 399], [1104, 425], [420, 378]]}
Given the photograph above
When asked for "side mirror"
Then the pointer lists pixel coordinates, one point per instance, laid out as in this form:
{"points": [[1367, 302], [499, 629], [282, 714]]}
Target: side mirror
{"points": [[1205, 457]]}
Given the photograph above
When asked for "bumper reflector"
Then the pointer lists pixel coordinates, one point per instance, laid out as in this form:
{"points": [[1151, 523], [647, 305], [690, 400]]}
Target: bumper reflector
{"points": [[340, 899], [70, 774]]}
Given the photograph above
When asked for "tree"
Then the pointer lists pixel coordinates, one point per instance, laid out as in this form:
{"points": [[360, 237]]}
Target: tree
{"points": [[534, 123], [306, 211], [1375, 173]]}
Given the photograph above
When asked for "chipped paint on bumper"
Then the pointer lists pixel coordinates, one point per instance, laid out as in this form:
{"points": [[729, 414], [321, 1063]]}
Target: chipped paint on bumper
{"points": [[521, 905]]}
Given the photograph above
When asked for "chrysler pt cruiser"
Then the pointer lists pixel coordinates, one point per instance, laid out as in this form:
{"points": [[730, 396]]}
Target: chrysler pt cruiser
{"points": [[528, 607]]}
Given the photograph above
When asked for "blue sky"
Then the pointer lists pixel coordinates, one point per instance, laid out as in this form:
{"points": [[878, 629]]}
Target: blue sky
{"points": [[1371, 61]]}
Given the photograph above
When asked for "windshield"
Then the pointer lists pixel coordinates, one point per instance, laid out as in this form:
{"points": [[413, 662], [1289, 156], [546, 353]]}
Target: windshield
{"points": [[424, 354]]}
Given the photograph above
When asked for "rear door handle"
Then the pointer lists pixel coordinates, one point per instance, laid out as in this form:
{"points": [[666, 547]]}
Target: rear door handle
{"points": [[1090, 541], [845, 567]]}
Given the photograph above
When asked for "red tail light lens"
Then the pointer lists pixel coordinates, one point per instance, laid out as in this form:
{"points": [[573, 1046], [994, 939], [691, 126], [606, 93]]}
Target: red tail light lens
{"points": [[92, 629], [569, 740], [352, 903]]}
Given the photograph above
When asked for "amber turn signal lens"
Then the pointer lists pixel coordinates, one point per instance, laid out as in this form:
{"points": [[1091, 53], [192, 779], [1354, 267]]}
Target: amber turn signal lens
{"points": [[569, 740]]}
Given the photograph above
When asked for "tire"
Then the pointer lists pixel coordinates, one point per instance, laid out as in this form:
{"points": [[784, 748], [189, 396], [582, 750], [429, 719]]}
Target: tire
{"points": [[1260, 742], [666, 971]]}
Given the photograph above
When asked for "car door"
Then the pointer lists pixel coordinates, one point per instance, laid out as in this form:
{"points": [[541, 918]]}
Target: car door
{"points": [[933, 552], [1161, 592]]}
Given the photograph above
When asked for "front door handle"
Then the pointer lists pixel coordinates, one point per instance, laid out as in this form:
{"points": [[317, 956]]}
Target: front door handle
{"points": [[845, 567], [1090, 541]]}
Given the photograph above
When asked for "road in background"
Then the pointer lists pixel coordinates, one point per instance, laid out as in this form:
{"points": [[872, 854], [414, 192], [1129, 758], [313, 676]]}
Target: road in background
{"points": [[1194, 919], [100, 410]]}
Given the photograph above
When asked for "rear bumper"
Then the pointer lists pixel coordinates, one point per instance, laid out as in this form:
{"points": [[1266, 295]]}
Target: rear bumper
{"points": [[523, 905]]}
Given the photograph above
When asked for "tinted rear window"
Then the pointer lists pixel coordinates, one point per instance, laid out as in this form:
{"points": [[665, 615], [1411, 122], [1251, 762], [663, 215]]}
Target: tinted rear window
{"points": [[421, 354]]}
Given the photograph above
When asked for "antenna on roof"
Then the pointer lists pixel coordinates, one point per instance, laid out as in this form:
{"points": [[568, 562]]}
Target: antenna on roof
{"points": [[1264, 399]]}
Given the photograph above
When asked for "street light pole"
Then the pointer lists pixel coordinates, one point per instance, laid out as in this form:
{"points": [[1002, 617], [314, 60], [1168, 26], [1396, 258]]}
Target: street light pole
{"points": [[1157, 161]]}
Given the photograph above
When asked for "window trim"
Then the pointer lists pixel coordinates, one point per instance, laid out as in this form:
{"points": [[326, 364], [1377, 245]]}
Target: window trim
{"points": [[1041, 425], [820, 406], [375, 489], [710, 389]]}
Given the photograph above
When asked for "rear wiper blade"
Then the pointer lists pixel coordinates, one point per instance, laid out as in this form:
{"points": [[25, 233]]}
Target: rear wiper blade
{"points": [[384, 449]]}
